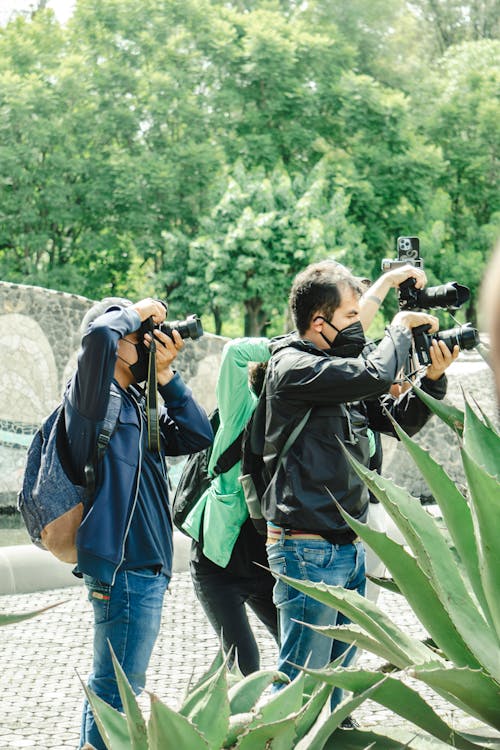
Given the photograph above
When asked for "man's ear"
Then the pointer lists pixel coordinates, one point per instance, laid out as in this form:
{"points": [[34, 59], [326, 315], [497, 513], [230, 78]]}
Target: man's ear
{"points": [[317, 321]]}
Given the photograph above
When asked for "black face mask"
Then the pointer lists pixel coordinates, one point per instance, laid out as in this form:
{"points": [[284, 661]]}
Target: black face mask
{"points": [[349, 342], [140, 368]]}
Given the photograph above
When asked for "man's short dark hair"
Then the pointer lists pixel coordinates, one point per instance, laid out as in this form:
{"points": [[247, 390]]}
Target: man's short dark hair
{"points": [[319, 289]]}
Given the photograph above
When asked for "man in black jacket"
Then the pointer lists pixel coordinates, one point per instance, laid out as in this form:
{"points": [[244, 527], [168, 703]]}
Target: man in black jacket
{"points": [[322, 368]]}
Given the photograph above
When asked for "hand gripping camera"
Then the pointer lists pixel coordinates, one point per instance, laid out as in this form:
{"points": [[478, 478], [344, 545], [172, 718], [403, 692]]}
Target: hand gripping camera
{"points": [[449, 296]]}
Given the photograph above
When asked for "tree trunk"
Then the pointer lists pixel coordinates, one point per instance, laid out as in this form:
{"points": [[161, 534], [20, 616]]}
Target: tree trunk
{"points": [[255, 317], [217, 320]]}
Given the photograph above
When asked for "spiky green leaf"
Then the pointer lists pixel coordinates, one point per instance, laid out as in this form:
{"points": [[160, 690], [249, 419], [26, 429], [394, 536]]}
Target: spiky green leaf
{"points": [[11, 619], [210, 714], [485, 499], [244, 695], [320, 735], [405, 649], [389, 584], [452, 416], [398, 697], [278, 735], [455, 510], [436, 559], [419, 591], [169, 729], [475, 692], [481, 442], [135, 721], [112, 725]]}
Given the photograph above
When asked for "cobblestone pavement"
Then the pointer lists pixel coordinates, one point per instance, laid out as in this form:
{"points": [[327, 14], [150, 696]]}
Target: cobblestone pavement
{"points": [[43, 658]]}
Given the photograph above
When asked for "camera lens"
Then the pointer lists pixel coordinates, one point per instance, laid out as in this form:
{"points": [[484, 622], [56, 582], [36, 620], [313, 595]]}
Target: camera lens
{"points": [[465, 337], [191, 328], [448, 296]]}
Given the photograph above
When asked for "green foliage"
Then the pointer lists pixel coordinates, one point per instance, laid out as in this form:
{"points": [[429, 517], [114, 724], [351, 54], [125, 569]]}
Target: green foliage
{"points": [[147, 148], [448, 576]]}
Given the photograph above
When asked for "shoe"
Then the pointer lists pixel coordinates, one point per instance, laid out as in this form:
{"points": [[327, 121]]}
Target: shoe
{"points": [[349, 723]]}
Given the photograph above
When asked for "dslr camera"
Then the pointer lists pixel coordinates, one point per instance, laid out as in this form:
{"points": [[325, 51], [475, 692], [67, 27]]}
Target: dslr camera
{"points": [[190, 328], [449, 296]]}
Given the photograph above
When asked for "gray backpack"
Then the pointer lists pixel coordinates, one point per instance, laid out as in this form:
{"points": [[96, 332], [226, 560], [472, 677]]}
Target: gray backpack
{"points": [[51, 501]]}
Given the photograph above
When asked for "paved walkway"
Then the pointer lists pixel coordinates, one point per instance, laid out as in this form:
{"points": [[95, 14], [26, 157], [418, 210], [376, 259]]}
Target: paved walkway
{"points": [[41, 695]]}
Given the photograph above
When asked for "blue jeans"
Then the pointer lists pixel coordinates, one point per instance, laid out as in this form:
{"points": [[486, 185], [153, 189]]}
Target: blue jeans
{"points": [[313, 560], [128, 614]]}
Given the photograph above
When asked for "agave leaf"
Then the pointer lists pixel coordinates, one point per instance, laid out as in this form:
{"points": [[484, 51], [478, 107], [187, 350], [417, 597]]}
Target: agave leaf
{"points": [[197, 694], [436, 559], [397, 738], [309, 713], [356, 636], [238, 724], [455, 510], [278, 735], [244, 695], [284, 702], [10, 619], [210, 714], [475, 692], [319, 736], [419, 591], [481, 442], [452, 416], [112, 724], [362, 611], [398, 697], [485, 499], [169, 729], [135, 721], [193, 691], [389, 584]]}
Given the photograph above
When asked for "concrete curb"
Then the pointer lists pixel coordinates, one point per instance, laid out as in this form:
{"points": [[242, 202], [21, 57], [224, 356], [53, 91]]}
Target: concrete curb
{"points": [[25, 568]]}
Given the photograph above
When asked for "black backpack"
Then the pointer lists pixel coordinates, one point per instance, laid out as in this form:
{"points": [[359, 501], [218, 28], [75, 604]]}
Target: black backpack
{"points": [[195, 478], [254, 477]]}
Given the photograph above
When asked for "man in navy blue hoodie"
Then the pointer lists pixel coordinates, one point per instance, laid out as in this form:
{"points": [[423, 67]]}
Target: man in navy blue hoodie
{"points": [[124, 542]]}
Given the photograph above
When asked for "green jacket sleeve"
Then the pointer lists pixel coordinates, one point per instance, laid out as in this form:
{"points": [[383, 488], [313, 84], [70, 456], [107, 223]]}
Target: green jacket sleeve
{"points": [[235, 399]]}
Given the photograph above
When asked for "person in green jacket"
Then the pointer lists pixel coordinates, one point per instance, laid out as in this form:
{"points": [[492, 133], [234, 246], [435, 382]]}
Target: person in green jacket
{"points": [[226, 545]]}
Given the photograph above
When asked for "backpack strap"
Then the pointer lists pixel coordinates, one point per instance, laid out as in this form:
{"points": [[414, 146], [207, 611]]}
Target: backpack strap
{"points": [[230, 456], [291, 439], [107, 430]]}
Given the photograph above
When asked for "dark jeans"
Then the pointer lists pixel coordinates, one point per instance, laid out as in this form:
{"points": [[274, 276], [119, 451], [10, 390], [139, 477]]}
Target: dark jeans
{"points": [[223, 597]]}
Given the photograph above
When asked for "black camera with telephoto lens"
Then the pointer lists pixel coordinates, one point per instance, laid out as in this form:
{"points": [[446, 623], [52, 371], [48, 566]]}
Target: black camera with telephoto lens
{"points": [[465, 337], [448, 296]]}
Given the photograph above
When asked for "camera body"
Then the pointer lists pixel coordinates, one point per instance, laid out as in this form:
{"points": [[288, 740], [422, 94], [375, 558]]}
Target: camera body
{"points": [[465, 337]]}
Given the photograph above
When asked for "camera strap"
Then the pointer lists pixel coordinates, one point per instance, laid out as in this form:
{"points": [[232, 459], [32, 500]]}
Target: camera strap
{"points": [[152, 401]]}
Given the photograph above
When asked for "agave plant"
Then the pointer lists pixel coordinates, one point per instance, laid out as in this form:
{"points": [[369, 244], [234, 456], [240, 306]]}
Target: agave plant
{"points": [[451, 579], [226, 710]]}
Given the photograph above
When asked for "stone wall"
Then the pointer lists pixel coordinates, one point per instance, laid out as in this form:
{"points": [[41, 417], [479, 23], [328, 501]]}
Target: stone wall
{"points": [[39, 339]]}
